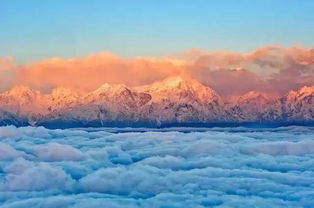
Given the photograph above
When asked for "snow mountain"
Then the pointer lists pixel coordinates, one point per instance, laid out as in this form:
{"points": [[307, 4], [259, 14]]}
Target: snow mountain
{"points": [[174, 100]]}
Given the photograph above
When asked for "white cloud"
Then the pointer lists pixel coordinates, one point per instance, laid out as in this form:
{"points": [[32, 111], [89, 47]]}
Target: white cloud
{"points": [[8, 153], [36, 177], [220, 167], [58, 152], [282, 148]]}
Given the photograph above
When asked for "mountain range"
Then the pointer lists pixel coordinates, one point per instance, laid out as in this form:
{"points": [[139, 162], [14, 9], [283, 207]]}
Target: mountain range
{"points": [[173, 101]]}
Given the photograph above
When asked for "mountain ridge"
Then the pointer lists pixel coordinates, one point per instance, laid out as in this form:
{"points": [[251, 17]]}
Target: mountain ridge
{"points": [[174, 100]]}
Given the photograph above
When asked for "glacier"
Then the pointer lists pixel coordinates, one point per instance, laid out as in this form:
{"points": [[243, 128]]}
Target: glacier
{"points": [[170, 167]]}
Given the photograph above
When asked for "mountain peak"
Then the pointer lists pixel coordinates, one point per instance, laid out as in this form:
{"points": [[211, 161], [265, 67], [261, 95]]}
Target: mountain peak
{"points": [[110, 87], [303, 92], [177, 82], [175, 99], [174, 81], [180, 88], [62, 92], [307, 90], [20, 91]]}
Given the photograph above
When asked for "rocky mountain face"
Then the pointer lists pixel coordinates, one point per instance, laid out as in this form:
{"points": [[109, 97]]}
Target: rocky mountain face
{"points": [[175, 100], [249, 107], [171, 101], [295, 106]]}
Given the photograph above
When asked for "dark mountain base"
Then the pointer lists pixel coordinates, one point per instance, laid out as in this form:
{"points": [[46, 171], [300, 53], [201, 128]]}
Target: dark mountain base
{"points": [[96, 124]]}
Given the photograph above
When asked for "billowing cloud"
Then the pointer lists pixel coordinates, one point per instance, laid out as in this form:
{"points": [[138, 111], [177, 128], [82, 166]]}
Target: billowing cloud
{"points": [[8, 153], [35, 177], [92, 71], [219, 167], [282, 148], [58, 152], [269, 69]]}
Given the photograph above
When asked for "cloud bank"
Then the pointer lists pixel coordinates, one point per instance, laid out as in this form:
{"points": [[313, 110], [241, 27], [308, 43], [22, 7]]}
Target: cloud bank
{"points": [[269, 69], [219, 167]]}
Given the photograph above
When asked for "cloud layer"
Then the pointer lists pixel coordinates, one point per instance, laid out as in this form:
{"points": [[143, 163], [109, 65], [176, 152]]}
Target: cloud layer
{"points": [[218, 167], [271, 69]]}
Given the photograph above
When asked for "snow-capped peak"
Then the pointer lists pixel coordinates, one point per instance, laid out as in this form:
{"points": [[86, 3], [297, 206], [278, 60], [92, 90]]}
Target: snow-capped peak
{"points": [[109, 89], [306, 90], [62, 92], [176, 82], [177, 88], [20, 91], [301, 93], [20, 95], [175, 99]]}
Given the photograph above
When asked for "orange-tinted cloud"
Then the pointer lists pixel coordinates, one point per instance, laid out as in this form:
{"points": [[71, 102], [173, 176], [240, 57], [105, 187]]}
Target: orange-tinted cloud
{"points": [[90, 72], [269, 69]]}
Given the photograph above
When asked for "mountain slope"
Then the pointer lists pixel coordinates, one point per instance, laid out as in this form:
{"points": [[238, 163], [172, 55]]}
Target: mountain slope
{"points": [[174, 100], [248, 107], [182, 100], [295, 107]]}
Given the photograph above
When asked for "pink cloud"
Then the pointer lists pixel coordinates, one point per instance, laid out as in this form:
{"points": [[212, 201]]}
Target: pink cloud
{"points": [[269, 69]]}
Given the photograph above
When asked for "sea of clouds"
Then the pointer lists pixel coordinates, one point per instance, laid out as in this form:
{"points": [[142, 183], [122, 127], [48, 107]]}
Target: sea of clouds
{"points": [[218, 167]]}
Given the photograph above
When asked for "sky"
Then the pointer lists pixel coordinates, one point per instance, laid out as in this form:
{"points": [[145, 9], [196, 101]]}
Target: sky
{"points": [[33, 30], [231, 46]]}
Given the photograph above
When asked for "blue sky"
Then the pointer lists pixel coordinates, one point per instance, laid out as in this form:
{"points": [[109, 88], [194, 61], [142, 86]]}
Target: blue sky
{"points": [[32, 30]]}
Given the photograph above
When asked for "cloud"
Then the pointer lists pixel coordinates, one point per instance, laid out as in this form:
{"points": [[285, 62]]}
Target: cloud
{"points": [[269, 69], [9, 132], [8, 153], [282, 148], [35, 177], [58, 152], [164, 162], [18, 166], [218, 167], [41, 177], [92, 71], [14, 133]]}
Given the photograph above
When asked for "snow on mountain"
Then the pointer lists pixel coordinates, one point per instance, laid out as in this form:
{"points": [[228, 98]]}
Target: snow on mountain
{"points": [[296, 106], [176, 99], [62, 93], [173, 100], [19, 95], [179, 90], [118, 96], [108, 103], [25, 103], [248, 107], [22, 100], [299, 105], [62, 98]]}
